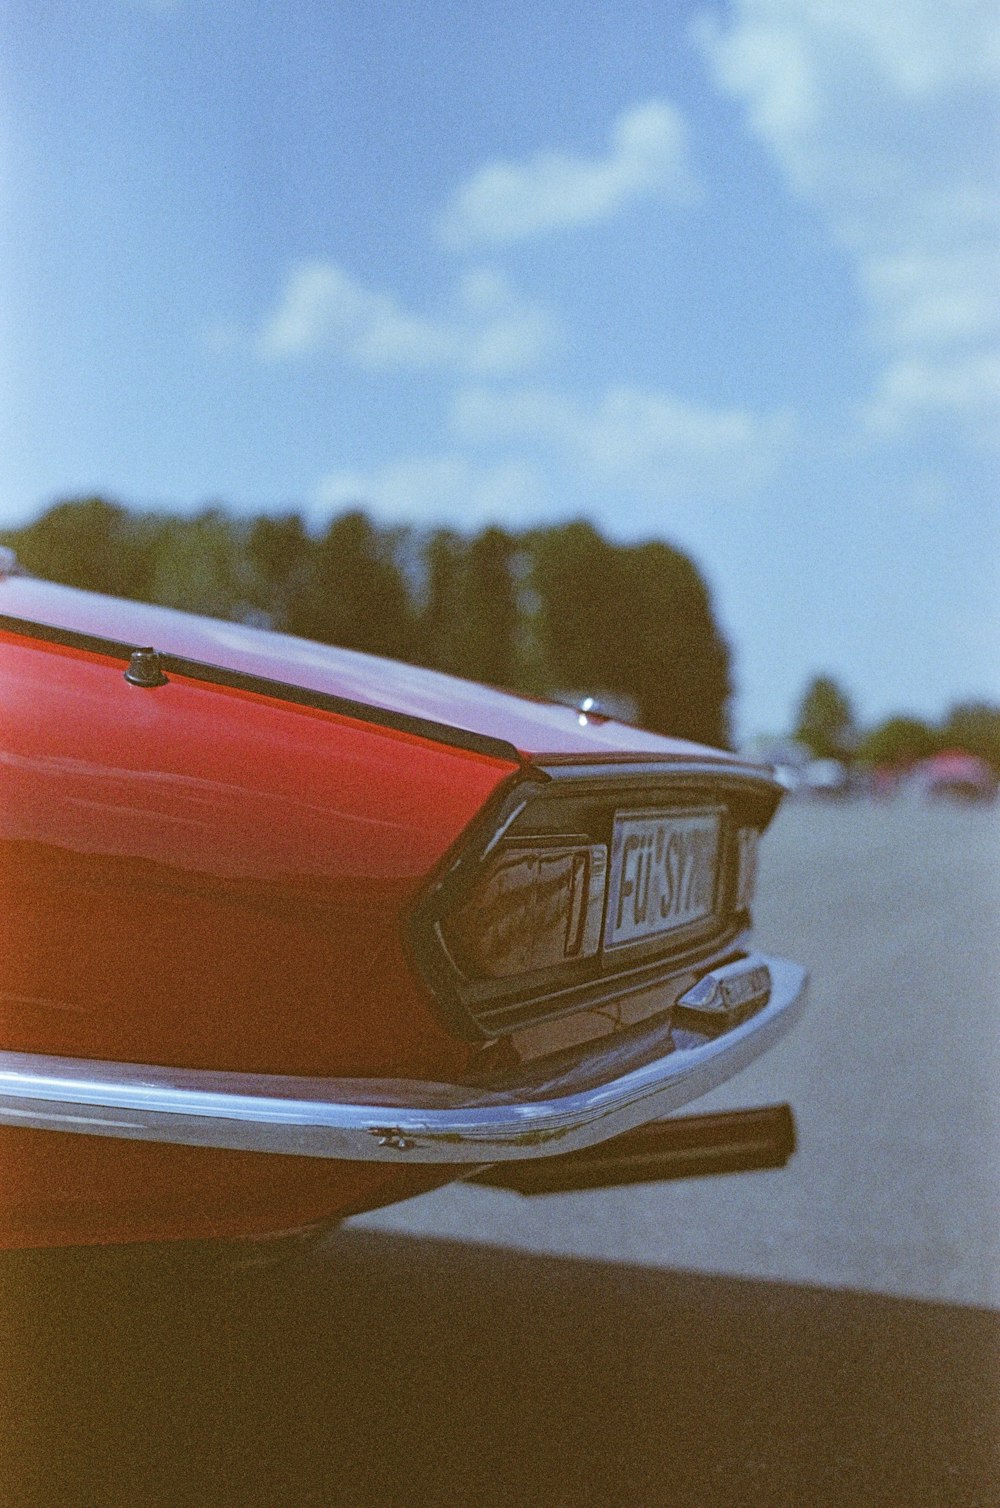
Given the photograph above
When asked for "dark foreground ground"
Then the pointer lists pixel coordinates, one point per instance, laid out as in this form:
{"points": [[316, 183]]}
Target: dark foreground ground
{"points": [[391, 1370]]}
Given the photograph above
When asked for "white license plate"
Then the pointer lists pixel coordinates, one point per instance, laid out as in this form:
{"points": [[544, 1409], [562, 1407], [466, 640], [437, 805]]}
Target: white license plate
{"points": [[664, 873]]}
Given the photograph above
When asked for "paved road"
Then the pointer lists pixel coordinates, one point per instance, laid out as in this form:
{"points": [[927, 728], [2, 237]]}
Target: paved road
{"points": [[765, 1339], [893, 1074]]}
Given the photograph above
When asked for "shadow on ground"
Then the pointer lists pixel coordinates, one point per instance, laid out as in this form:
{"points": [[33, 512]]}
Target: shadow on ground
{"points": [[386, 1370]]}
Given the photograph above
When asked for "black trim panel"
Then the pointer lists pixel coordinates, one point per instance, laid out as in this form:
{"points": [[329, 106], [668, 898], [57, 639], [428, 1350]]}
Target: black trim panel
{"points": [[483, 1011], [284, 691]]}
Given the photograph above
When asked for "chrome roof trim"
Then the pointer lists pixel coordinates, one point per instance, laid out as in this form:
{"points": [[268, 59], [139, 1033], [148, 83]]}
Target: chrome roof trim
{"points": [[390, 1121]]}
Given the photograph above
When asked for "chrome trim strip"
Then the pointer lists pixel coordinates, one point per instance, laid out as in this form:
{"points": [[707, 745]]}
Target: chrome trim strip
{"points": [[718, 768], [383, 1120]]}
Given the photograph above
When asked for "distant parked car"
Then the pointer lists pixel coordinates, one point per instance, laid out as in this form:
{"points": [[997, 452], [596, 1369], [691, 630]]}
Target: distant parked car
{"points": [[954, 773], [787, 758], [289, 932], [826, 777]]}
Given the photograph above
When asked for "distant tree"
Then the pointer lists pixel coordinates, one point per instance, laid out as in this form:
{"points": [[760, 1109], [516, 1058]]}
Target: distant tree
{"points": [[974, 727], [443, 604], [490, 610], [557, 609], [681, 677], [635, 620], [92, 543], [354, 593], [278, 552], [825, 722], [470, 619], [579, 617], [898, 741], [200, 565]]}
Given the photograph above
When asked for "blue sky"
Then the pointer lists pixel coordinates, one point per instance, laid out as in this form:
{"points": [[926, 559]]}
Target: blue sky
{"points": [[723, 275]]}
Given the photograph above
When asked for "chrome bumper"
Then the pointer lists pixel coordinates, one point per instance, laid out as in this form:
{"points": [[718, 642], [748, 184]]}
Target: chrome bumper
{"points": [[394, 1121]]}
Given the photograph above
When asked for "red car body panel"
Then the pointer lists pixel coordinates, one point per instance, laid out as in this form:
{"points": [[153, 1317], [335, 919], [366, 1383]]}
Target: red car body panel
{"points": [[265, 852], [207, 876], [165, 856]]}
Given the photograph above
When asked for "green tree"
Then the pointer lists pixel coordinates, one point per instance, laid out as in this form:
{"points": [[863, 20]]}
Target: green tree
{"points": [[490, 610], [898, 741], [578, 615], [681, 678], [825, 722], [559, 609], [635, 620], [279, 552], [354, 593], [443, 606], [200, 565], [91, 543], [974, 727], [471, 620]]}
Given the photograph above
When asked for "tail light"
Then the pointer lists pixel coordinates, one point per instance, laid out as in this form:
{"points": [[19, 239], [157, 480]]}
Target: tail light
{"points": [[747, 846], [536, 906]]}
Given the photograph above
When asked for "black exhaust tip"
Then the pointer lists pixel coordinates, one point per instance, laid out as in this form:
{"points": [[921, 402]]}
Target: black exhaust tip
{"points": [[691, 1146]]}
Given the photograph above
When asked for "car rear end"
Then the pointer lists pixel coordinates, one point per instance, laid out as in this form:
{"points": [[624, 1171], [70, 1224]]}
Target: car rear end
{"points": [[343, 949]]}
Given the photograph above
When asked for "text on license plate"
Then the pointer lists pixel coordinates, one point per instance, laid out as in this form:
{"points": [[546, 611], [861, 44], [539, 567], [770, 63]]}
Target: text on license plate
{"points": [[664, 868]]}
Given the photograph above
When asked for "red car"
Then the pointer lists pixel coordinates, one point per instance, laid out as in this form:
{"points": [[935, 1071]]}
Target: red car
{"points": [[289, 932], [957, 774]]}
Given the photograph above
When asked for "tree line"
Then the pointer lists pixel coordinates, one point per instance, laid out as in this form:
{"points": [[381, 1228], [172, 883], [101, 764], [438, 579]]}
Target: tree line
{"points": [[827, 726], [550, 611]]}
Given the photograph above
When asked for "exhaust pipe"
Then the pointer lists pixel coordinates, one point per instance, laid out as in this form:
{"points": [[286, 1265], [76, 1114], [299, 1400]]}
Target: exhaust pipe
{"points": [[690, 1146]]}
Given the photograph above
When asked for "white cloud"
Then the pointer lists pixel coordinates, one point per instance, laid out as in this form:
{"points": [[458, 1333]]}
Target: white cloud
{"points": [[921, 46], [444, 488], [487, 329], [510, 201], [521, 456], [633, 442], [915, 387], [938, 298], [882, 117]]}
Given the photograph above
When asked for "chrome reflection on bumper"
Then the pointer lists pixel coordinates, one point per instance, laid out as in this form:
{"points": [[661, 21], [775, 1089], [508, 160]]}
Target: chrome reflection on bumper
{"points": [[726, 994], [392, 1121]]}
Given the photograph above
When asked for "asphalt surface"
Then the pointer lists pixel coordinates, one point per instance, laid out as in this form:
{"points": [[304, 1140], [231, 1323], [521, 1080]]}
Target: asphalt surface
{"points": [[818, 1335]]}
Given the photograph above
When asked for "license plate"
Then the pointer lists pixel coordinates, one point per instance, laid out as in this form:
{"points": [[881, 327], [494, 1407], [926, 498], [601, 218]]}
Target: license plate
{"points": [[664, 870]]}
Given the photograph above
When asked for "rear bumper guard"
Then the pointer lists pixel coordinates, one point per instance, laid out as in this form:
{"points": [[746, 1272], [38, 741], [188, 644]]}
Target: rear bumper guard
{"points": [[389, 1121]]}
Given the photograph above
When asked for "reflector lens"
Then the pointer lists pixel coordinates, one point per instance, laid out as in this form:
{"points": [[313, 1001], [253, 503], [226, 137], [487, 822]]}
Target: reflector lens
{"points": [[538, 905], [748, 840]]}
